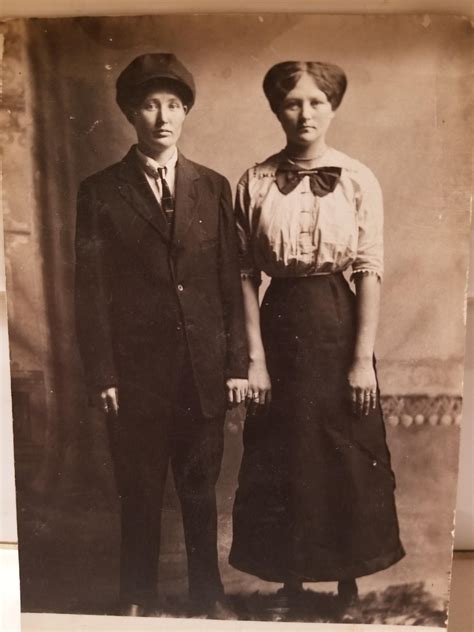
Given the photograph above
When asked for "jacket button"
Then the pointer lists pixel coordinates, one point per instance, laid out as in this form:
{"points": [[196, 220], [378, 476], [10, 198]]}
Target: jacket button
{"points": [[180, 288], [178, 327]]}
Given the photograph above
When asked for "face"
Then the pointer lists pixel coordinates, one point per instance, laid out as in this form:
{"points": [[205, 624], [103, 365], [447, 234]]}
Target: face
{"points": [[305, 114], [158, 121]]}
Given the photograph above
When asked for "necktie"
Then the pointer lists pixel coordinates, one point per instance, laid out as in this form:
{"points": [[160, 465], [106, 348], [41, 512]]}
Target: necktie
{"points": [[167, 202], [322, 180]]}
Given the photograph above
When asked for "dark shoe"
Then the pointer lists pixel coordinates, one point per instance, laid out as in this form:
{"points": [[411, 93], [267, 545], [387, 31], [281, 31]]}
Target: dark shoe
{"points": [[220, 609], [289, 596], [353, 613], [348, 597], [132, 610], [154, 612], [283, 601]]}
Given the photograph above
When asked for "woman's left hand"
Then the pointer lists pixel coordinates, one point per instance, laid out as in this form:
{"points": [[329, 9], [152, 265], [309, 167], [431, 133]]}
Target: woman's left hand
{"points": [[363, 385]]}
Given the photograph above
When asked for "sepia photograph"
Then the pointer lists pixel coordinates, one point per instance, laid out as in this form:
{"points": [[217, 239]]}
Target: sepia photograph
{"points": [[236, 252]]}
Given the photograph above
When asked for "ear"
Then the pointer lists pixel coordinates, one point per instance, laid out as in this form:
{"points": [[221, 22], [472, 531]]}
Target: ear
{"points": [[185, 108]]}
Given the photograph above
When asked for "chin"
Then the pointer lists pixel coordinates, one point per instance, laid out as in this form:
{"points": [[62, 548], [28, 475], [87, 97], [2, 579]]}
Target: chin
{"points": [[160, 145], [305, 141]]}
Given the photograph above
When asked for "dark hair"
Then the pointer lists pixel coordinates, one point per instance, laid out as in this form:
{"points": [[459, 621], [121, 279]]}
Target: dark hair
{"points": [[135, 97], [283, 77]]}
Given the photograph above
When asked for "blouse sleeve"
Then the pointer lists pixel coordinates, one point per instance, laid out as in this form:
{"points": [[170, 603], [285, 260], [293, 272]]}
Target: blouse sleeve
{"points": [[369, 259], [248, 268]]}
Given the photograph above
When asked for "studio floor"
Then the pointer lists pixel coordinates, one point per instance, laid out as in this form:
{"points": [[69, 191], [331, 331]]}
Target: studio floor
{"points": [[69, 545]]}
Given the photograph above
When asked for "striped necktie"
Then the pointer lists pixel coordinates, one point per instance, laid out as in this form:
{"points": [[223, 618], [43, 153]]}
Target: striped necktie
{"points": [[167, 202]]}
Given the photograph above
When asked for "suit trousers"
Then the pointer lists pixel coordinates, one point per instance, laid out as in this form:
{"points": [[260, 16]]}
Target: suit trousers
{"points": [[144, 443]]}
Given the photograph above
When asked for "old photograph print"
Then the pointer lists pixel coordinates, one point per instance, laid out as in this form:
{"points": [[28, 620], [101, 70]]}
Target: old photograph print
{"points": [[145, 486]]}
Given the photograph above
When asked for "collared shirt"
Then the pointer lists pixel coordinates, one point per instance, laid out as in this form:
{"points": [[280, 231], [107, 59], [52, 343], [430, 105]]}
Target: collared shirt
{"points": [[170, 172], [301, 234]]}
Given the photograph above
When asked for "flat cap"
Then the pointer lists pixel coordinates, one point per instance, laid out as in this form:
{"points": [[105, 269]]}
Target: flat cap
{"points": [[153, 67]]}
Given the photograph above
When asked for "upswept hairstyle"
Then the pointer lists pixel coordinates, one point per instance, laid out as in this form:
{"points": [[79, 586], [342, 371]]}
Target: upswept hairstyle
{"points": [[283, 77]]}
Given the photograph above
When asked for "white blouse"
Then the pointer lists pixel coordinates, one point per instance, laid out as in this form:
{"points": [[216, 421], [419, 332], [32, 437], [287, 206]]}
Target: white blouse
{"points": [[301, 234]]}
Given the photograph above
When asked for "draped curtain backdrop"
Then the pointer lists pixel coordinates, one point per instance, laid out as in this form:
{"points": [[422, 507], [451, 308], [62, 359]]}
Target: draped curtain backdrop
{"points": [[405, 115]]}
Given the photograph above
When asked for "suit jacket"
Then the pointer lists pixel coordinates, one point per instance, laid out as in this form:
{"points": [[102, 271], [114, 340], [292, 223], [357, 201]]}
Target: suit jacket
{"points": [[138, 288]]}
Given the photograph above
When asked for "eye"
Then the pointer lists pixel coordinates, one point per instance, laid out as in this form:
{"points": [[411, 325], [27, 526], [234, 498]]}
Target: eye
{"points": [[174, 105], [150, 106], [291, 105], [320, 101]]}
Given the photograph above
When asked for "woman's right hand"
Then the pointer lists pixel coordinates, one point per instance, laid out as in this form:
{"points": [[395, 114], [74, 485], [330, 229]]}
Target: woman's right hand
{"points": [[259, 386]]}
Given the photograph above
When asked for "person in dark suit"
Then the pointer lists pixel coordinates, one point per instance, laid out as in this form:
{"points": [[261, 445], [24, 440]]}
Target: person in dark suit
{"points": [[161, 329]]}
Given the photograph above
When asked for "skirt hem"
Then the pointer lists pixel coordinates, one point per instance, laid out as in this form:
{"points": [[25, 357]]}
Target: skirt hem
{"points": [[358, 569]]}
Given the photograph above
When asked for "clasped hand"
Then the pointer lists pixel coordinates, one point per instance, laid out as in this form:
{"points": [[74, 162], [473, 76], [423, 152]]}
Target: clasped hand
{"points": [[260, 388], [255, 390], [363, 386], [236, 391]]}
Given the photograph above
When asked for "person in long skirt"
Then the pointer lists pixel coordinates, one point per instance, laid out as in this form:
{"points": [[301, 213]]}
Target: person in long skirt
{"points": [[315, 500]]}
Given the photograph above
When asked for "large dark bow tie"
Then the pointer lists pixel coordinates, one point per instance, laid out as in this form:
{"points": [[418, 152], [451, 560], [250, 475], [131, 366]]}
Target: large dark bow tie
{"points": [[322, 180]]}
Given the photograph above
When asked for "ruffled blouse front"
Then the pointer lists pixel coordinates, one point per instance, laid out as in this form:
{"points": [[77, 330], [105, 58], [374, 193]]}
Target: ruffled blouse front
{"points": [[302, 234]]}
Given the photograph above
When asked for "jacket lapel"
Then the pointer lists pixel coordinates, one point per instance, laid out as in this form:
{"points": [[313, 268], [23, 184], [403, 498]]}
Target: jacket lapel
{"points": [[186, 197], [136, 191]]}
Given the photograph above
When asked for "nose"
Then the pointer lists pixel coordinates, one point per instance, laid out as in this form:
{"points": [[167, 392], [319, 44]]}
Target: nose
{"points": [[306, 111], [160, 117]]}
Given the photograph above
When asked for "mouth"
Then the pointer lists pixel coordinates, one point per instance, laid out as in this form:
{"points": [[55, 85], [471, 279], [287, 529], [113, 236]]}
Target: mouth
{"points": [[306, 128], [162, 132]]}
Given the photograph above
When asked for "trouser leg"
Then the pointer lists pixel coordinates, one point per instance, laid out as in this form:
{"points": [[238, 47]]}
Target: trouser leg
{"points": [[196, 461], [141, 460]]}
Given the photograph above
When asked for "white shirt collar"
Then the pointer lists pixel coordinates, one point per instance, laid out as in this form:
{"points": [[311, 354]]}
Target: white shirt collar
{"points": [[169, 165]]}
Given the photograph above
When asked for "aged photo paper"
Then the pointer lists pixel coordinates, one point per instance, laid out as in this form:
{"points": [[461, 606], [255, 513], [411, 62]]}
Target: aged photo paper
{"points": [[406, 117]]}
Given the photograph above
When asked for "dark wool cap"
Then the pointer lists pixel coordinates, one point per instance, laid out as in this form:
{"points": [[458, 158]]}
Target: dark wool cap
{"points": [[150, 68]]}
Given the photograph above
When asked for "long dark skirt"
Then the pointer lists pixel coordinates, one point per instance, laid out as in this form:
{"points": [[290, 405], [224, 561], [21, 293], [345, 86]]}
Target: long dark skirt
{"points": [[316, 489]]}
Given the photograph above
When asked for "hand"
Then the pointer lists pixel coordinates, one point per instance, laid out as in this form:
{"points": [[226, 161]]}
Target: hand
{"points": [[236, 390], [363, 385], [260, 387], [108, 400]]}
